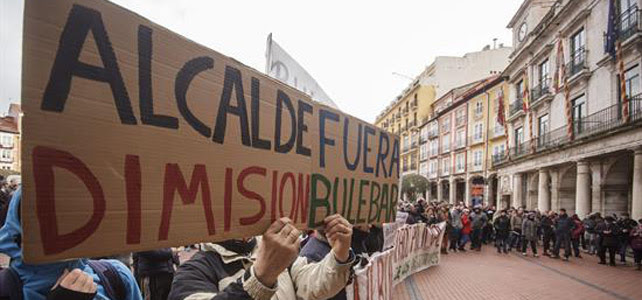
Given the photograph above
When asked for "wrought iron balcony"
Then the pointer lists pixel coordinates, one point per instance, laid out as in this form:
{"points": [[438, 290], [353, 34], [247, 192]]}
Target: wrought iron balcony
{"points": [[600, 122], [629, 22], [539, 91], [517, 106], [577, 63]]}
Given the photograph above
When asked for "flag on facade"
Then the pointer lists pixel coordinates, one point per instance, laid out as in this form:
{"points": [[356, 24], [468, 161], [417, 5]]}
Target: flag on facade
{"points": [[614, 47], [526, 93], [501, 117], [281, 66], [559, 65]]}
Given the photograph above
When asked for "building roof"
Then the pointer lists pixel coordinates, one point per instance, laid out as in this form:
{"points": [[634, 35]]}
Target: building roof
{"points": [[9, 124]]}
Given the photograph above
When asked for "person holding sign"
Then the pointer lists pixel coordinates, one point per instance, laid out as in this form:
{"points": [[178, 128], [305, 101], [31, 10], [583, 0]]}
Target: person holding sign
{"points": [[267, 267]]}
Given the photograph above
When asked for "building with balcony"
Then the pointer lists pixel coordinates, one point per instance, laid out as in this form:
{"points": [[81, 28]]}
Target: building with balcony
{"points": [[578, 147], [10, 139], [458, 160], [414, 106]]}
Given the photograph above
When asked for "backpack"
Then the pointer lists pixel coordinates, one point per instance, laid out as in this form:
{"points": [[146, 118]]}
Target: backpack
{"points": [[112, 282]]}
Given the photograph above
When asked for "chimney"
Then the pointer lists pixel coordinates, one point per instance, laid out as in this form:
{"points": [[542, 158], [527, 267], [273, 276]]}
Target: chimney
{"points": [[486, 48]]}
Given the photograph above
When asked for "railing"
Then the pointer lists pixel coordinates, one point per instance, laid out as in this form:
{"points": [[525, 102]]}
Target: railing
{"points": [[628, 23], [475, 139], [599, 122], [541, 90], [472, 167], [497, 131], [516, 106], [577, 63]]}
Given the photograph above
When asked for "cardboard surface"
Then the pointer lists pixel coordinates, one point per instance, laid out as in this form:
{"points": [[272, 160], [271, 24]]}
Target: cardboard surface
{"points": [[137, 138]]}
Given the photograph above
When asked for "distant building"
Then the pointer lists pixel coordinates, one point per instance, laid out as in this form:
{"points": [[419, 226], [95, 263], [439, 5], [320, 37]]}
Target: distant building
{"points": [[414, 106], [10, 139], [458, 142]]}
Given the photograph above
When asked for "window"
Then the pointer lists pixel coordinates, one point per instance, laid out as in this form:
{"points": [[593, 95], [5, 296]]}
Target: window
{"points": [[577, 50], [432, 167], [423, 150], [434, 129], [445, 124], [477, 158], [405, 164], [406, 142], [499, 128], [543, 74], [519, 90], [632, 76], [542, 125], [479, 108], [446, 166], [413, 162], [519, 136], [434, 147], [460, 117], [579, 107], [478, 132], [460, 139], [424, 133], [413, 140], [460, 160], [445, 143], [423, 169], [6, 154], [628, 18], [7, 141]]}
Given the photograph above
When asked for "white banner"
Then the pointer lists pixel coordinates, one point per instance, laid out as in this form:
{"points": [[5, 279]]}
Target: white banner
{"points": [[280, 65], [417, 247]]}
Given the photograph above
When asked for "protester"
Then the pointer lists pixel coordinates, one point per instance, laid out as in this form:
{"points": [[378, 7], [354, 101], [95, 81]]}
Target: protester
{"points": [[591, 237], [478, 220], [267, 266], [577, 232], [548, 232], [625, 224], [563, 228], [529, 234], [609, 240], [487, 232], [465, 230], [154, 272], [455, 234], [516, 229], [69, 279], [636, 244], [502, 229]]}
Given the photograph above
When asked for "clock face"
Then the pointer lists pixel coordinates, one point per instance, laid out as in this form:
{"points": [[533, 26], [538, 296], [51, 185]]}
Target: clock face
{"points": [[521, 34]]}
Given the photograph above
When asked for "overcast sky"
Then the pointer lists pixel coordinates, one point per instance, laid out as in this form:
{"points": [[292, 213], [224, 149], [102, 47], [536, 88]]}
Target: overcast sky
{"points": [[350, 47]]}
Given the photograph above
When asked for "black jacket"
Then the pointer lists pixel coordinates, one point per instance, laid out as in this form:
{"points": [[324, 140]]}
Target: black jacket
{"points": [[609, 233], [502, 226], [564, 225], [150, 263]]}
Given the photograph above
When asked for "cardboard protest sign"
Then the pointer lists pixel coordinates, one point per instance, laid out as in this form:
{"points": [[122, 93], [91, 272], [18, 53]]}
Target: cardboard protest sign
{"points": [[137, 138]]}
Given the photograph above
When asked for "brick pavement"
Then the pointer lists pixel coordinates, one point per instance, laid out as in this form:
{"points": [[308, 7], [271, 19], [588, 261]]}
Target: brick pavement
{"points": [[488, 275]]}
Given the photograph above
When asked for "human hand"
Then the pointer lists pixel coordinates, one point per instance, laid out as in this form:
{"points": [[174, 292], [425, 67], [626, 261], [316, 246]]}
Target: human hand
{"points": [[277, 250], [338, 231], [73, 285]]}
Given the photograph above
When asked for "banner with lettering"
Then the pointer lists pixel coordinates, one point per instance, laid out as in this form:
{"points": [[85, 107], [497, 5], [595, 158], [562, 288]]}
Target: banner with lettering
{"points": [[136, 138], [416, 248]]}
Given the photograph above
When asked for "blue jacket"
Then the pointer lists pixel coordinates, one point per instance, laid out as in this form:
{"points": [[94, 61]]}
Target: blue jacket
{"points": [[37, 280]]}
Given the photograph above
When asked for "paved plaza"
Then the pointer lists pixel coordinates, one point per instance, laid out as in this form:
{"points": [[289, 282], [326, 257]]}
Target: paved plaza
{"points": [[488, 275]]}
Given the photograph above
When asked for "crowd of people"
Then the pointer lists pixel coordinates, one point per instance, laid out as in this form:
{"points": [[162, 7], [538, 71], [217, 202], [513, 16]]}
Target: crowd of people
{"points": [[283, 263], [522, 230]]}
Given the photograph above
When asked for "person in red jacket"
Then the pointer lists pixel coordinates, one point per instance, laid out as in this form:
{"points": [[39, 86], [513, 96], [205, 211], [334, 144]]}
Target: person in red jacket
{"points": [[465, 230], [576, 234]]}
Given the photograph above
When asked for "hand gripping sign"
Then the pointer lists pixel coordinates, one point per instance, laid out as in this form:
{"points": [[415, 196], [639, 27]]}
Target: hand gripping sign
{"points": [[136, 138]]}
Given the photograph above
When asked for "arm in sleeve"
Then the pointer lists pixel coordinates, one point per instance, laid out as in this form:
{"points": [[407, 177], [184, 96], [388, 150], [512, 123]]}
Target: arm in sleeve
{"points": [[131, 287], [197, 279], [320, 280]]}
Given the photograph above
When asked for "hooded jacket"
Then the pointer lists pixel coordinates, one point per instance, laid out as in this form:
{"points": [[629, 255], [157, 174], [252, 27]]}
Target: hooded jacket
{"points": [[37, 280]]}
